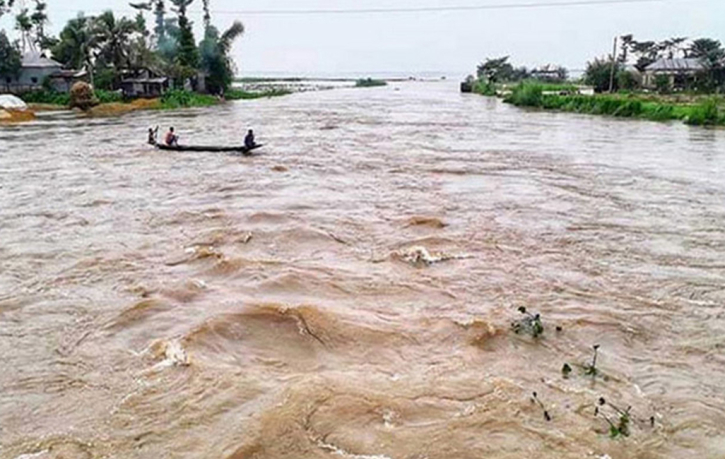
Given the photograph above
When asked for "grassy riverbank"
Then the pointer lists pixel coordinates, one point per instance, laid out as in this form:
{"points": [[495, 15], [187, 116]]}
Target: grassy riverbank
{"points": [[693, 110], [113, 103]]}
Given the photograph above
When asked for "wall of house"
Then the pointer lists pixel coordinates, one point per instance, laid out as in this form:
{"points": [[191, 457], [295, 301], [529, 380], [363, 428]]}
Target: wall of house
{"points": [[29, 79]]}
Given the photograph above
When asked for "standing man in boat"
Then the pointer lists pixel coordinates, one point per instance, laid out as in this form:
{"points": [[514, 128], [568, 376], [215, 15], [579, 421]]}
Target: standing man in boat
{"points": [[172, 139], [249, 140]]}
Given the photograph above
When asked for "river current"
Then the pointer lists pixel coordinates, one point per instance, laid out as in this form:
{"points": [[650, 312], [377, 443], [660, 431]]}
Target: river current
{"points": [[349, 291]]}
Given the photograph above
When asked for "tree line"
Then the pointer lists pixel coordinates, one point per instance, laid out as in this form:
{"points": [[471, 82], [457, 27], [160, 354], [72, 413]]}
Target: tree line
{"points": [[107, 45]]}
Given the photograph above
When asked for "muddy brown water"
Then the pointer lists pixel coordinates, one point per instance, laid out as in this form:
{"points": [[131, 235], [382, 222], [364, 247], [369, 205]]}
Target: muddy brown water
{"points": [[157, 304]]}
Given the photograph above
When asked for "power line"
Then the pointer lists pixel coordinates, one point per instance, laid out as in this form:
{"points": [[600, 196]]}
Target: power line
{"points": [[425, 9]]}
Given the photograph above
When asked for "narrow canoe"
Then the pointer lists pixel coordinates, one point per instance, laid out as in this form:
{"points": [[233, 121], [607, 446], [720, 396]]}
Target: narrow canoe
{"points": [[211, 149]]}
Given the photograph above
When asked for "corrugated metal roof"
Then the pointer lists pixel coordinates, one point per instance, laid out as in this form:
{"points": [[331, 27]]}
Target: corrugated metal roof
{"points": [[676, 65], [37, 60], [159, 80]]}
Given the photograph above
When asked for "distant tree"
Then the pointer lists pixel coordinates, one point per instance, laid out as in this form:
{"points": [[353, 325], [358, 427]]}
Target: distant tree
{"points": [[10, 58], [188, 55], [495, 70], [599, 72], [39, 19]]}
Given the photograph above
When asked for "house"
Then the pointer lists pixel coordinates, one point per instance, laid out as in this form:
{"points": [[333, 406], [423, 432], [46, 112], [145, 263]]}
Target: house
{"points": [[679, 72], [35, 70], [143, 83]]}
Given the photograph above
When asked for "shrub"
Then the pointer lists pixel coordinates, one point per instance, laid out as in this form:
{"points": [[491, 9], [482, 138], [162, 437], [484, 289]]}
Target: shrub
{"points": [[704, 114], [46, 97], [484, 88], [662, 83], [526, 94], [180, 98]]}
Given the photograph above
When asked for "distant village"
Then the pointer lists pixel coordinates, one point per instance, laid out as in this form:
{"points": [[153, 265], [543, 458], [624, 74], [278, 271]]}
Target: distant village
{"points": [[672, 65], [117, 54]]}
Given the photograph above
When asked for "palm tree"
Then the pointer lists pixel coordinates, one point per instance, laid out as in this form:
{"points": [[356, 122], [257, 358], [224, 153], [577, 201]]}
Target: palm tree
{"points": [[114, 38], [215, 57], [76, 44]]}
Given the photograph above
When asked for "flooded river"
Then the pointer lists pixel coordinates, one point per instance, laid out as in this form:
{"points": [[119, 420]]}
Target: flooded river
{"points": [[350, 291]]}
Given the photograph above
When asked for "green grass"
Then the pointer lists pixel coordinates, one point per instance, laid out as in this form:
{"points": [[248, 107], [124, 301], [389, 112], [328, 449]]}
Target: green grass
{"points": [[179, 98], [706, 112], [369, 83], [240, 94]]}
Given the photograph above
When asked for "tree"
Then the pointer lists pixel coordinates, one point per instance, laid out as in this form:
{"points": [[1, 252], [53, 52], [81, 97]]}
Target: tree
{"points": [[215, 56], [599, 73], [495, 70], [647, 52], [76, 45], [10, 58], [672, 47], [626, 46], [113, 37], [188, 55], [712, 55]]}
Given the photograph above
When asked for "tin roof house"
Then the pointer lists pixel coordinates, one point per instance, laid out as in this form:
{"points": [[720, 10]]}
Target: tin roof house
{"points": [[34, 71], [679, 72]]}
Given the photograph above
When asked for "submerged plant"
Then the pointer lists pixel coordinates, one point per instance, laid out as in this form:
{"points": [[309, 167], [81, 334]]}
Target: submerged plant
{"points": [[591, 368], [530, 324], [535, 399], [623, 418]]}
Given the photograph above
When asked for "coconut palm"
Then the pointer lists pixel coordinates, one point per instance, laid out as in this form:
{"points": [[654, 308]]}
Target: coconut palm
{"points": [[76, 43], [114, 38], [215, 57]]}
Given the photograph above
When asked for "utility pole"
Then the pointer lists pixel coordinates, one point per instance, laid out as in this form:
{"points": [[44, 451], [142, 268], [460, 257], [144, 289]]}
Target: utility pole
{"points": [[614, 65]]}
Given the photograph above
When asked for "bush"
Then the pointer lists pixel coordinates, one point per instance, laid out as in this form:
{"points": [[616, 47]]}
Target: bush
{"points": [[705, 113], [180, 98], [627, 81], [527, 95], [599, 74], [484, 88], [46, 97], [662, 83]]}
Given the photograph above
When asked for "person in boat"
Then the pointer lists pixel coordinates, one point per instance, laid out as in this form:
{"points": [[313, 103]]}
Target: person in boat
{"points": [[153, 133], [249, 140], [172, 139]]}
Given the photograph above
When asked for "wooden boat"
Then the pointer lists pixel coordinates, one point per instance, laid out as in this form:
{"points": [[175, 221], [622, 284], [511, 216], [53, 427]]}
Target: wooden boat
{"points": [[242, 149]]}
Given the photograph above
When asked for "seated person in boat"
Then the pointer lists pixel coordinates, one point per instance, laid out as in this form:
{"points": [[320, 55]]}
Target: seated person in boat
{"points": [[249, 140], [172, 139]]}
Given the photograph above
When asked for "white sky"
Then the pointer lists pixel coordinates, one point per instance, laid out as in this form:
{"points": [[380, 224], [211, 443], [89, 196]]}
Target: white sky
{"points": [[451, 42]]}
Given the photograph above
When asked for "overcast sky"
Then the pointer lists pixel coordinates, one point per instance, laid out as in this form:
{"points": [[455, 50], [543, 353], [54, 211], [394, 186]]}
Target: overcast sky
{"points": [[450, 42]]}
